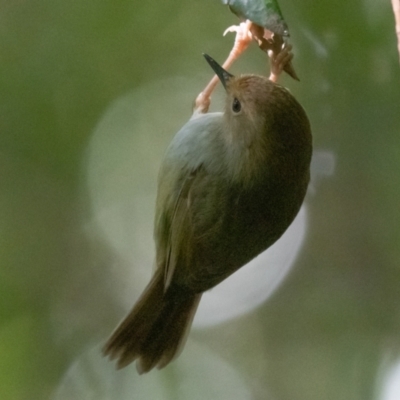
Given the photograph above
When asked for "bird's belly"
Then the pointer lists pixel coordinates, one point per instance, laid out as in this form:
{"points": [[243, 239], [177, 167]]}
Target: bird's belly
{"points": [[251, 226]]}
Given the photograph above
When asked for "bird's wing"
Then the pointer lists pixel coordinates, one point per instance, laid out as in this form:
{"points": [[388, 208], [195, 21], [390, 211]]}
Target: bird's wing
{"points": [[188, 224], [177, 239]]}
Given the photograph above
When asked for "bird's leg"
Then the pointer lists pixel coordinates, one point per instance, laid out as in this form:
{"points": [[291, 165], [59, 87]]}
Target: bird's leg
{"points": [[242, 41], [278, 61]]}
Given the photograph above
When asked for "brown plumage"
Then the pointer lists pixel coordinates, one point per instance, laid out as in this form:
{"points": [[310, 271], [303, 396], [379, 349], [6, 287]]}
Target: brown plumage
{"points": [[230, 185]]}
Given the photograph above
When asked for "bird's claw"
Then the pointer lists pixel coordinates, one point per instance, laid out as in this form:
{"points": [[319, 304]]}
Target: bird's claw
{"points": [[242, 39], [242, 31], [201, 104], [279, 60]]}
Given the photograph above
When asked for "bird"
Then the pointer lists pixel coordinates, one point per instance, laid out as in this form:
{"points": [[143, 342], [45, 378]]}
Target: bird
{"points": [[229, 186]]}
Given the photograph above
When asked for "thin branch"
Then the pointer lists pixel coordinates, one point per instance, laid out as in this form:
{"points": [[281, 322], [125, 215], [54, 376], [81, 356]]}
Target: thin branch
{"points": [[396, 11]]}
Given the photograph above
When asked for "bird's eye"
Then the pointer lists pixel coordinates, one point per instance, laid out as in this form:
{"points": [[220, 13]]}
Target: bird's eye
{"points": [[236, 106]]}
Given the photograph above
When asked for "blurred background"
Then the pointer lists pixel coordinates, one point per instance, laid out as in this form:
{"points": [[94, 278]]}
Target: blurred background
{"points": [[91, 94]]}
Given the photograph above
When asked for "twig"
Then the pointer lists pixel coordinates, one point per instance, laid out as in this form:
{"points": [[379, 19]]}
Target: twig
{"points": [[396, 11]]}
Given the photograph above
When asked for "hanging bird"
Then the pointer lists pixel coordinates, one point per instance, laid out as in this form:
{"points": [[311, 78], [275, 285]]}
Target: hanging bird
{"points": [[229, 186]]}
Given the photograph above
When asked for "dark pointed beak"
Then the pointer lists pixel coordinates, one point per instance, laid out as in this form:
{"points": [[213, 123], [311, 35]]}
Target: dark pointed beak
{"points": [[223, 75]]}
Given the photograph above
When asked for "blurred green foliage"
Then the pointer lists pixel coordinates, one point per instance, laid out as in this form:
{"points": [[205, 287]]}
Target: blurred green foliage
{"points": [[325, 333]]}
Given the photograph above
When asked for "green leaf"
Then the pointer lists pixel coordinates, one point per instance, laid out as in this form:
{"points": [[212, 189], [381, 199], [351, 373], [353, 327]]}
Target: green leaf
{"points": [[265, 13]]}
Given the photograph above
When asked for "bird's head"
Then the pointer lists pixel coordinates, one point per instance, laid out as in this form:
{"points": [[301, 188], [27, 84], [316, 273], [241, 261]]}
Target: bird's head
{"points": [[262, 116], [253, 104]]}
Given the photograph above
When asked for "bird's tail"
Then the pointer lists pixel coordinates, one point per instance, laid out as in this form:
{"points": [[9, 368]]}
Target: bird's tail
{"points": [[156, 328]]}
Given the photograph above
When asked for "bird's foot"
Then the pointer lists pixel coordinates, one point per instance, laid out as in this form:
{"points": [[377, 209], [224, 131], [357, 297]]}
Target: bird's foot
{"points": [[242, 40], [201, 104], [279, 60], [274, 45]]}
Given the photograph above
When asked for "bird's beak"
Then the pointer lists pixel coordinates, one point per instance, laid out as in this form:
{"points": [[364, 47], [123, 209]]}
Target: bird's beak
{"points": [[224, 76]]}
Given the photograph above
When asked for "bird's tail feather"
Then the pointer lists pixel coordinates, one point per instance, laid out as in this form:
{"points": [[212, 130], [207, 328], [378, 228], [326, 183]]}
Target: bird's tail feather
{"points": [[156, 328]]}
